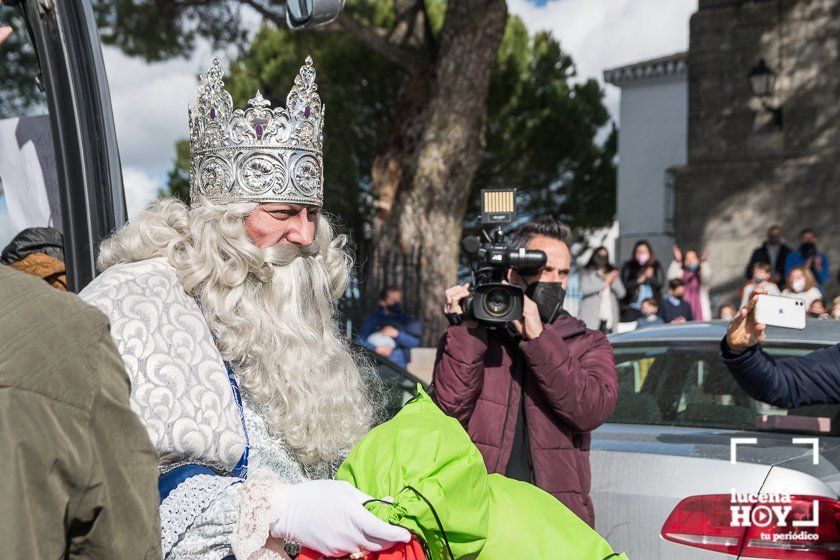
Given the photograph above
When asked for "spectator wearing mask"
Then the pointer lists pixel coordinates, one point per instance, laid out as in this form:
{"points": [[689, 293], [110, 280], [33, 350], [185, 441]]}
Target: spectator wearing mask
{"points": [[809, 257], [650, 314], [835, 308], [817, 310], [673, 308], [601, 290], [774, 252], [643, 278], [801, 285], [388, 331], [727, 311], [761, 278], [696, 275]]}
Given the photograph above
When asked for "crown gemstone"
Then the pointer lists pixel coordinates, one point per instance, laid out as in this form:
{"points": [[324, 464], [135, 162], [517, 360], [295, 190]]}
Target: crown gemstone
{"points": [[259, 130], [213, 113], [307, 111]]}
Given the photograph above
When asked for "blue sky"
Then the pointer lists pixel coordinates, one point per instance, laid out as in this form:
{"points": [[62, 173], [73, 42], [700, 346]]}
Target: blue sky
{"points": [[150, 100]]}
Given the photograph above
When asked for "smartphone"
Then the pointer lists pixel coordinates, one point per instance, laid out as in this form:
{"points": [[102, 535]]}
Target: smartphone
{"points": [[780, 311]]}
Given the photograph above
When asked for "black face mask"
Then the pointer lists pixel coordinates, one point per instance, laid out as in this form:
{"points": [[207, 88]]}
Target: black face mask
{"points": [[808, 250], [600, 261], [395, 308], [774, 240], [549, 298]]}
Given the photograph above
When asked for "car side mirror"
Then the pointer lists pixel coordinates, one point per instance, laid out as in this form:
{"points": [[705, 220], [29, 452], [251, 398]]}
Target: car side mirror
{"points": [[306, 14]]}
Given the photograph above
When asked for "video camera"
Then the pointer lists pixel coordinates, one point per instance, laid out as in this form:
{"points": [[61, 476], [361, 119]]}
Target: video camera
{"points": [[491, 301]]}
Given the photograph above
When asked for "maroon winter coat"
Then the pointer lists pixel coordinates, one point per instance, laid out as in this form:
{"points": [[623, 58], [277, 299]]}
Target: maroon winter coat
{"points": [[570, 389]]}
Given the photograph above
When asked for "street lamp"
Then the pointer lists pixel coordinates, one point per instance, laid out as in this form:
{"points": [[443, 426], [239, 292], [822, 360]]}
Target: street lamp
{"points": [[762, 82]]}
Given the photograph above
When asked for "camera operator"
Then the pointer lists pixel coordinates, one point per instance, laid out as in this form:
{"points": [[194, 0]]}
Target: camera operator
{"points": [[810, 379], [530, 392]]}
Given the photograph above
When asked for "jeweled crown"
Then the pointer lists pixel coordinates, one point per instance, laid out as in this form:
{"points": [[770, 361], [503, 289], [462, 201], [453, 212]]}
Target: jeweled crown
{"points": [[257, 154]]}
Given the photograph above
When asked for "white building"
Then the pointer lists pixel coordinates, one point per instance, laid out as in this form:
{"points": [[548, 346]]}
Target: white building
{"points": [[652, 142]]}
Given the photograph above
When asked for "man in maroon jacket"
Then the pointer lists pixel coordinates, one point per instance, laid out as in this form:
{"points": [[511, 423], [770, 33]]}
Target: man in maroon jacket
{"points": [[530, 393]]}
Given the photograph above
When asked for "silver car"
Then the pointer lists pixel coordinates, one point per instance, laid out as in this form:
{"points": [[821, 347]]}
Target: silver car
{"points": [[666, 483]]}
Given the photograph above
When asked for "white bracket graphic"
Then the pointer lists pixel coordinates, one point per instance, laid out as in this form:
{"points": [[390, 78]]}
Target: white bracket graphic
{"points": [[813, 442], [733, 446]]}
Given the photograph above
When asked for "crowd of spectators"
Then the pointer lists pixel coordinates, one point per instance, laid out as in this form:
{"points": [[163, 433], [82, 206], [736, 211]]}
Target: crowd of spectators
{"points": [[643, 292]]}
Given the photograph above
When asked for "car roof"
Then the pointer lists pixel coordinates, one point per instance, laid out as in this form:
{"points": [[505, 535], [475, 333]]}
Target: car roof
{"points": [[816, 333]]}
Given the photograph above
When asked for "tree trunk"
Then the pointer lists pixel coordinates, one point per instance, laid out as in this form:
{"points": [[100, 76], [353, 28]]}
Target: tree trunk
{"points": [[423, 179]]}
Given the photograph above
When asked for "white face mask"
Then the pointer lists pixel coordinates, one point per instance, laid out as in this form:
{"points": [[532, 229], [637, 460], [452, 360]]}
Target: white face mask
{"points": [[798, 285]]}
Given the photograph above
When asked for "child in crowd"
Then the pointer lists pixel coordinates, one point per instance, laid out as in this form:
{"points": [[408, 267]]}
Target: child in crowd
{"points": [[761, 278], [727, 311], [802, 285], [673, 308], [817, 310], [650, 316]]}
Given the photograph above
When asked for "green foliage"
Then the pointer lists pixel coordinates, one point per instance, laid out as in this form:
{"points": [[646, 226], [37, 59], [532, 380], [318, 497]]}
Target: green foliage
{"points": [[178, 178], [541, 132], [19, 92], [157, 30]]}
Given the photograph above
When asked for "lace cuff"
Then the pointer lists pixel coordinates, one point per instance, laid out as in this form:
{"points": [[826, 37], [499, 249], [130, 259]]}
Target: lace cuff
{"points": [[251, 539], [185, 503]]}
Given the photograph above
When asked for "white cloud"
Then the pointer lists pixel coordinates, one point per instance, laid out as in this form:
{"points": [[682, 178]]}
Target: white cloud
{"points": [[140, 190], [601, 34]]}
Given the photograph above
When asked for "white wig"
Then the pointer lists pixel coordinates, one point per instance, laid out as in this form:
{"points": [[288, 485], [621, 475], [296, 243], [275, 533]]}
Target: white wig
{"points": [[272, 312]]}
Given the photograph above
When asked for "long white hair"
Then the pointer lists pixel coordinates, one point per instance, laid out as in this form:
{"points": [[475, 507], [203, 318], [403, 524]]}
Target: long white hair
{"points": [[272, 313]]}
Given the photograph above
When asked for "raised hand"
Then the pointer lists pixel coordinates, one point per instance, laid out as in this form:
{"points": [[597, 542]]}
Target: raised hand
{"points": [[744, 331]]}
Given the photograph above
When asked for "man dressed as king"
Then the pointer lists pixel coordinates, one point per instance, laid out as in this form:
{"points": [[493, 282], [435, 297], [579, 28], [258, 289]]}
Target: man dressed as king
{"points": [[223, 314]]}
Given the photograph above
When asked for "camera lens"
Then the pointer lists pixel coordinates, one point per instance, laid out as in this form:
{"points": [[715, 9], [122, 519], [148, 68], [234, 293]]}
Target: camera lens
{"points": [[497, 302]]}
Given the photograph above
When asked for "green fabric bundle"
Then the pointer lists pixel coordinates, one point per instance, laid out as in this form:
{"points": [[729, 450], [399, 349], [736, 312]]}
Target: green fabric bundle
{"points": [[441, 491], [537, 525], [422, 453]]}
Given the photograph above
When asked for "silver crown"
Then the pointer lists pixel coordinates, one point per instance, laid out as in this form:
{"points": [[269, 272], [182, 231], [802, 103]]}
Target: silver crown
{"points": [[258, 154]]}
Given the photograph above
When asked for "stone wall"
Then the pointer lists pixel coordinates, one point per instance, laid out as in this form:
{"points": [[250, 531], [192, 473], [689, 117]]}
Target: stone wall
{"points": [[744, 172]]}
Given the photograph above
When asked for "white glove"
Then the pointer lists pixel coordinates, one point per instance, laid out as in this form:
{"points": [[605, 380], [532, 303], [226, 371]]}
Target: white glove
{"points": [[328, 517]]}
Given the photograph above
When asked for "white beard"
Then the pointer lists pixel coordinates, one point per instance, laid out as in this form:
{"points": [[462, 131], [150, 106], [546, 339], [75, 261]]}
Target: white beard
{"points": [[272, 313]]}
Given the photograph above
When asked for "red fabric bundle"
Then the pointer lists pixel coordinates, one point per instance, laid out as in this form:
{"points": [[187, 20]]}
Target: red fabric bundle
{"points": [[412, 550]]}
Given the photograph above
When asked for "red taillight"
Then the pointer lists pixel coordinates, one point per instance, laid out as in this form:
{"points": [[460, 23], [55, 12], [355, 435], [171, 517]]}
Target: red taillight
{"points": [[707, 522]]}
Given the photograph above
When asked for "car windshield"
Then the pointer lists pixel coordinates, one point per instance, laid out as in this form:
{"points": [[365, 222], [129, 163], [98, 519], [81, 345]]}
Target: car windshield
{"points": [[686, 384]]}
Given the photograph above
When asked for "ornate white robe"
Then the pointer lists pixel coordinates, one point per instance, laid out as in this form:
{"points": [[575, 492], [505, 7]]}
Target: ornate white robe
{"points": [[181, 391]]}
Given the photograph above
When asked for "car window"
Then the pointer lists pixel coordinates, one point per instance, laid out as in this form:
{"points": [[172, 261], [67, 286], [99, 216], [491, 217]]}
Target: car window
{"points": [[686, 384], [28, 182]]}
